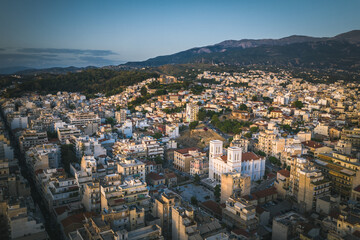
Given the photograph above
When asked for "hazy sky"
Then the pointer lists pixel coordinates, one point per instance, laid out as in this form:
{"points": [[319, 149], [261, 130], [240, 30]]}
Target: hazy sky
{"points": [[42, 33]]}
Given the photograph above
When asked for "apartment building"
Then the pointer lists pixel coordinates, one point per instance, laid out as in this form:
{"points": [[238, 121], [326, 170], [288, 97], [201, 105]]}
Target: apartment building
{"points": [[234, 184], [31, 138], [191, 112], [183, 158], [131, 167], [240, 214]]}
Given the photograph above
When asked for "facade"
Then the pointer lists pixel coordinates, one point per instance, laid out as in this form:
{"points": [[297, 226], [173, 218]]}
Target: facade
{"points": [[343, 179], [191, 112], [66, 132], [240, 214], [120, 116], [131, 167], [245, 163], [307, 184], [183, 158], [31, 138], [183, 223], [352, 136], [234, 184], [162, 209], [91, 197], [82, 118]]}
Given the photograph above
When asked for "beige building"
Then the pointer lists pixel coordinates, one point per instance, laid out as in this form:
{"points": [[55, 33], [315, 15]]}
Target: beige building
{"points": [[282, 183], [234, 184], [131, 167], [91, 197], [183, 158], [191, 112], [307, 184], [352, 136], [266, 140], [183, 223], [285, 226], [239, 213], [162, 209]]}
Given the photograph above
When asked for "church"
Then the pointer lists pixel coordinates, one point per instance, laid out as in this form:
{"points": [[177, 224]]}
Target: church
{"points": [[247, 163]]}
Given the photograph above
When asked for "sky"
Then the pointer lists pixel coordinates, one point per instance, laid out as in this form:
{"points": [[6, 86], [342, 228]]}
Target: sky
{"points": [[49, 33]]}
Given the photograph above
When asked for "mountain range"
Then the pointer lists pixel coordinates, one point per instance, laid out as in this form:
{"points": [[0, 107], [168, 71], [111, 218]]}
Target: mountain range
{"points": [[339, 52]]}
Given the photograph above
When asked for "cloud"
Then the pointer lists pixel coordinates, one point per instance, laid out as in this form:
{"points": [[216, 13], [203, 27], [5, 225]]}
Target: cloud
{"points": [[56, 57], [68, 51], [2, 49]]}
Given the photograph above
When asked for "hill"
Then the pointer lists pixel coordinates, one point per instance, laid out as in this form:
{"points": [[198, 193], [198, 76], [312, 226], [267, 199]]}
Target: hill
{"points": [[339, 52], [88, 81]]}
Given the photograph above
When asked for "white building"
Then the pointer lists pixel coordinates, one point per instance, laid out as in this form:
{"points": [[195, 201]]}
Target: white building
{"points": [[172, 131], [246, 163], [192, 111]]}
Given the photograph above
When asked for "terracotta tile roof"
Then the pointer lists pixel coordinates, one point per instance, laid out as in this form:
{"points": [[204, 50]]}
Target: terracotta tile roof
{"points": [[186, 150], [357, 189], [265, 192], [61, 210], [312, 144], [77, 218], [284, 172], [224, 158], [213, 207], [247, 156], [155, 176], [259, 210], [240, 231], [170, 175]]}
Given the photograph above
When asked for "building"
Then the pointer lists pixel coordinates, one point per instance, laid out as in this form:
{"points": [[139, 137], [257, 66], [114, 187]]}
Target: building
{"points": [[285, 226], [91, 197], [162, 209], [307, 184], [66, 132], [83, 118], [183, 223], [245, 163], [43, 156], [62, 191], [24, 224], [343, 179], [183, 158], [352, 136], [266, 140], [120, 116], [240, 214], [153, 148], [199, 165], [31, 138], [131, 167], [282, 182], [234, 184], [191, 112]]}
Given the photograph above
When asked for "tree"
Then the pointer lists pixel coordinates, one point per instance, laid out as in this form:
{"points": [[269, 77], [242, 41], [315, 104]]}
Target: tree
{"points": [[254, 129], [298, 104], [243, 107], [193, 125], [194, 200], [201, 115], [157, 135], [197, 179], [143, 91], [254, 98], [217, 192], [159, 160], [110, 120]]}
